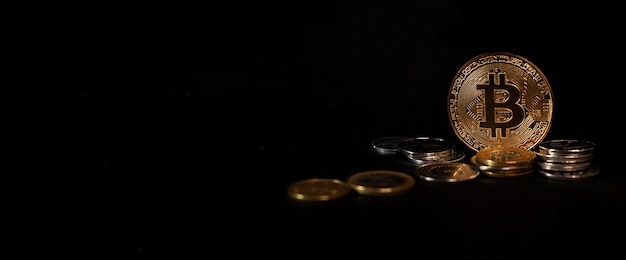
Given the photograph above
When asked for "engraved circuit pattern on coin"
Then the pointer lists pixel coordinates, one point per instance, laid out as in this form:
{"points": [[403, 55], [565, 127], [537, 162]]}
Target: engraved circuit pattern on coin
{"points": [[500, 100]]}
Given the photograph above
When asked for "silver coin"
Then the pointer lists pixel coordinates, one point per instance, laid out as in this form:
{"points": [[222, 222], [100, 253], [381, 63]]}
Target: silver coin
{"points": [[456, 156], [564, 158], [564, 166], [426, 147], [571, 175], [566, 146], [387, 145]]}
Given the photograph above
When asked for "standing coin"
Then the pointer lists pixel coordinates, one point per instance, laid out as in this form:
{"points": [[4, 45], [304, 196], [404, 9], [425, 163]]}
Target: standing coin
{"points": [[500, 100]]}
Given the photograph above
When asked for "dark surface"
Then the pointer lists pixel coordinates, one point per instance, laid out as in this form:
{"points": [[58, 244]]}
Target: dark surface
{"points": [[174, 133]]}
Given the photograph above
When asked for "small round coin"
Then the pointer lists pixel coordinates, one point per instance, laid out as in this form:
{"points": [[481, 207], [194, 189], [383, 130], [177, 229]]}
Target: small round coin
{"points": [[318, 189], [447, 172], [381, 182], [500, 99], [387, 145]]}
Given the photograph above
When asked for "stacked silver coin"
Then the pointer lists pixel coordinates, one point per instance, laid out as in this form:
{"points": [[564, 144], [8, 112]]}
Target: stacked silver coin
{"points": [[566, 159], [421, 150]]}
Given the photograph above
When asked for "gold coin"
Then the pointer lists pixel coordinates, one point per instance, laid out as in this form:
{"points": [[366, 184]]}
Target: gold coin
{"points": [[447, 172], [500, 100], [508, 174], [483, 167], [318, 189], [381, 182], [505, 157]]}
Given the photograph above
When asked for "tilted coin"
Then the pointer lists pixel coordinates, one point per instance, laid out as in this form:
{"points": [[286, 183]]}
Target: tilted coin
{"points": [[381, 182], [500, 99], [447, 172], [387, 145], [318, 189], [505, 156]]}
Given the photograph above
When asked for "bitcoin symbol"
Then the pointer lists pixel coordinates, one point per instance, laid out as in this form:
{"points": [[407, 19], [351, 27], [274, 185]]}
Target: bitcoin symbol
{"points": [[504, 119], [500, 100]]}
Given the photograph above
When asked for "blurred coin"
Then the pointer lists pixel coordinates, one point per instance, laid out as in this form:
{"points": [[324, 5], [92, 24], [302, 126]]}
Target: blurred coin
{"points": [[318, 189], [447, 172], [381, 182], [500, 100], [571, 175], [387, 145], [505, 156]]}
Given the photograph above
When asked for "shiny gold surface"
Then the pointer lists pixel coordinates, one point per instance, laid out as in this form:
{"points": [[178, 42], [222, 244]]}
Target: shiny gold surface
{"points": [[505, 157], [318, 189], [500, 100], [447, 172]]}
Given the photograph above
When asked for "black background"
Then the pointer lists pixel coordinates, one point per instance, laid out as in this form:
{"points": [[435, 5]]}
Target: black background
{"points": [[172, 132]]}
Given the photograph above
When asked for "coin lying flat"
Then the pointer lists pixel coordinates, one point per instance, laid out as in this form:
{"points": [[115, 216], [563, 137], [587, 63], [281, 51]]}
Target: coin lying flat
{"points": [[318, 189], [571, 175], [500, 100], [505, 156], [447, 172], [381, 182], [387, 144], [566, 146]]}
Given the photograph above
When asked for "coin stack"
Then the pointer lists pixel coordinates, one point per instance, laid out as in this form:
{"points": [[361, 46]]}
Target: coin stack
{"points": [[504, 162], [421, 150], [566, 159]]}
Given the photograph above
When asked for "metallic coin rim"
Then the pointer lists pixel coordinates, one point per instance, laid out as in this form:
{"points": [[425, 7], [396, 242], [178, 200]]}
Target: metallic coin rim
{"points": [[401, 147], [545, 149], [571, 175], [409, 183], [456, 156], [566, 167], [508, 174], [483, 167], [462, 71], [343, 190], [528, 157], [469, 172], [376, 144]]}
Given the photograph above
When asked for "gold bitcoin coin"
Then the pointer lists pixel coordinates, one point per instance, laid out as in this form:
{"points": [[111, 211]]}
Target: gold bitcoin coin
{"points": [[500, 100], [318, 189]]}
